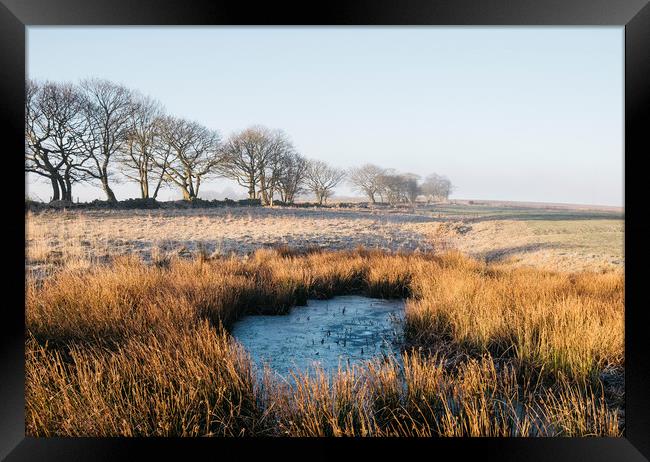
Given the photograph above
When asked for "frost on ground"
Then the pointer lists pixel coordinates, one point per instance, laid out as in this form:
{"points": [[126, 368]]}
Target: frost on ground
{"points": [[570, 241]]}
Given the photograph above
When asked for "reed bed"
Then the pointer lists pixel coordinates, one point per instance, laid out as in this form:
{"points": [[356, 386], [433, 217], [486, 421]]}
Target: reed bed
{"points": [[135, 349]]}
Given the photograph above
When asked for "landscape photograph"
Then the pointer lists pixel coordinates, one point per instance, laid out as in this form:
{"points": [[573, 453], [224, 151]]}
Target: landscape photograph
{"points": [[327, 231]]}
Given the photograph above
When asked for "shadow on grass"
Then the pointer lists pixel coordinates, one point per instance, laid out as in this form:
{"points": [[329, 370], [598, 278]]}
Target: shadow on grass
{"points": [[503, 253]]}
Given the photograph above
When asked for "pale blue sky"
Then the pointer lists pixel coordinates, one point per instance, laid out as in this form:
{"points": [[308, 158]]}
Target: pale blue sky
{"points": [[508, 113]]}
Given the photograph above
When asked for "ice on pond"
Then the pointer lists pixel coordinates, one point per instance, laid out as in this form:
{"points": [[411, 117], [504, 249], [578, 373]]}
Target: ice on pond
{"points": [[342, 330]]}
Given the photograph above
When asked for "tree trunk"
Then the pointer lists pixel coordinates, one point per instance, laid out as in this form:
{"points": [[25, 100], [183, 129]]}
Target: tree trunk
{"points": [[67, 194], [68, 187], [144, 178], [56, 193], [63, 188], [110, 195], [160, 181], [198, 185], [189, 186], [251, 189], [263, 192], [144, 188]]}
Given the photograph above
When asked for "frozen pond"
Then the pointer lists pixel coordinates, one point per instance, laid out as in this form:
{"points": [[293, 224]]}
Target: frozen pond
{"points": [[344, 329]]}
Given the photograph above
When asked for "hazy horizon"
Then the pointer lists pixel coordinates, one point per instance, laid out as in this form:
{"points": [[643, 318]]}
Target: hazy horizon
{"points": [[532, 114]]}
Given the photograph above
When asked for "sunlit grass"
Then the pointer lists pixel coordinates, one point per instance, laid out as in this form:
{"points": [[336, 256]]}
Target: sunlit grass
{"points": [[127, 348]]}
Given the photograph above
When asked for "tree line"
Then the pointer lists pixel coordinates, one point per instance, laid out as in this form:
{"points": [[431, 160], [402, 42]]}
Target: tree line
{"points": [[99, 132], [389, 185]]}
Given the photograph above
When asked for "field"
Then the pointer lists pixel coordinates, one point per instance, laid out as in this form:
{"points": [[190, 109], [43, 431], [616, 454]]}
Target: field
{"points": [[557, 239], [514, 321]]}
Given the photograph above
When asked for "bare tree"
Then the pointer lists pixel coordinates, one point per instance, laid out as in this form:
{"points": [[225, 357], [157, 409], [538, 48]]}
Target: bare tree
{"points": [[398, 187], [254, 158], [38, 158], [366, 179], [275, 151], [390, 187], [161, 157], [190, 154], [437, 187], [241, 160], [142, 141], [292, 176], [54, 128], [108, 108], [411, 187], [321, 179]]}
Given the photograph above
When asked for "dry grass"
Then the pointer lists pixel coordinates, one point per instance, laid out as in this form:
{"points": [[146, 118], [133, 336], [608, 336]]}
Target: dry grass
{"points": [[558, 322], [187, 384], [575, 242], [569, 244], [424, 398], [127, 348]]}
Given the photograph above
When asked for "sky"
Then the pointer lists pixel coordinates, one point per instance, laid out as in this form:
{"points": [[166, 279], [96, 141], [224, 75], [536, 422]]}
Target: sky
{"points": [[507, 113]]}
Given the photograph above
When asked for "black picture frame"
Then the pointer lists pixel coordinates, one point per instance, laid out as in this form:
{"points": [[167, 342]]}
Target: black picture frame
{"points": [[634, 15]]}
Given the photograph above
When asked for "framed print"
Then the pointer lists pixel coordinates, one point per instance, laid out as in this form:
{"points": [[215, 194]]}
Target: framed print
{"points": [[418, 226]]}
